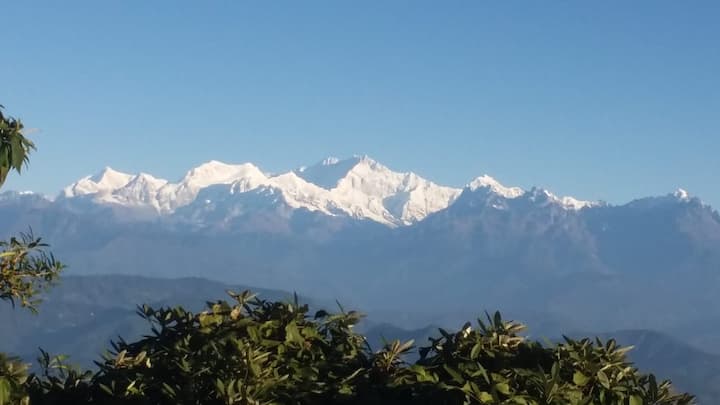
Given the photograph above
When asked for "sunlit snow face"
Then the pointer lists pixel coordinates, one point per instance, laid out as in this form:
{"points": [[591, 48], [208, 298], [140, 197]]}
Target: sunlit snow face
{"points": [[359, 187]]}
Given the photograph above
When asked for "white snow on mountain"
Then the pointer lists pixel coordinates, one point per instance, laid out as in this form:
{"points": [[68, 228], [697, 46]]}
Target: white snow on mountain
{"points": [[298, 193], [545, 197], [104, 182], [175, 195], [359, 187], [486, 181], [681, 194], [371, 190], [140, 190], [537, 194], [329, 172], [573, 203]]}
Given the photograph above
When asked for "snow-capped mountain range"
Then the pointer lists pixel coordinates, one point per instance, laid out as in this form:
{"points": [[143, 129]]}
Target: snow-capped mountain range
{"points": [[358, 187], [354, 228]]}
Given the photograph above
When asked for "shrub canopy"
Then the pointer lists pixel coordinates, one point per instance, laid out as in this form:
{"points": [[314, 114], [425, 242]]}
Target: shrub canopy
{"points": [[252, 351]]}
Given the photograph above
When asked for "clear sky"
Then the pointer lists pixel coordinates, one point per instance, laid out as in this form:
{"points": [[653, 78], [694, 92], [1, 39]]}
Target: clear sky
{"points": [[601, 100]]}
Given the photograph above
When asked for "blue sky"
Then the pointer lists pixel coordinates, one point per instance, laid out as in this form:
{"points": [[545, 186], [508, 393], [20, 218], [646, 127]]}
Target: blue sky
{"points": [[602, 100]]}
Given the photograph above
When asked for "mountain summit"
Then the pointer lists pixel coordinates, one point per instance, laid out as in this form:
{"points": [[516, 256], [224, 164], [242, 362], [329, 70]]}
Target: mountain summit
{"points": [[107, 180]]}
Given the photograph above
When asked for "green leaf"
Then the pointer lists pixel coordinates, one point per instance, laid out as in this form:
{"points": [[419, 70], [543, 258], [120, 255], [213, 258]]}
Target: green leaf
{"points": [[475, 352], [453, 374], [292, 334], [603, 379], [636, 400], [485, 397], [503, 388], [4, 391], [580, 379]]}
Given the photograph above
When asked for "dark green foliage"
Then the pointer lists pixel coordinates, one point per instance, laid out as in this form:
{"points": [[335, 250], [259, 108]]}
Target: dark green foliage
{"points": [[251, 351], [25, 267], [689, 368], [14, 147], [13, 376], [25, 270]]}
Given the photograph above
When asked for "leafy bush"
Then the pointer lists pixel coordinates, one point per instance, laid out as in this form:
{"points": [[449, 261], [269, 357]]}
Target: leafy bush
{"points": [[251, 351], [13, 376]]}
